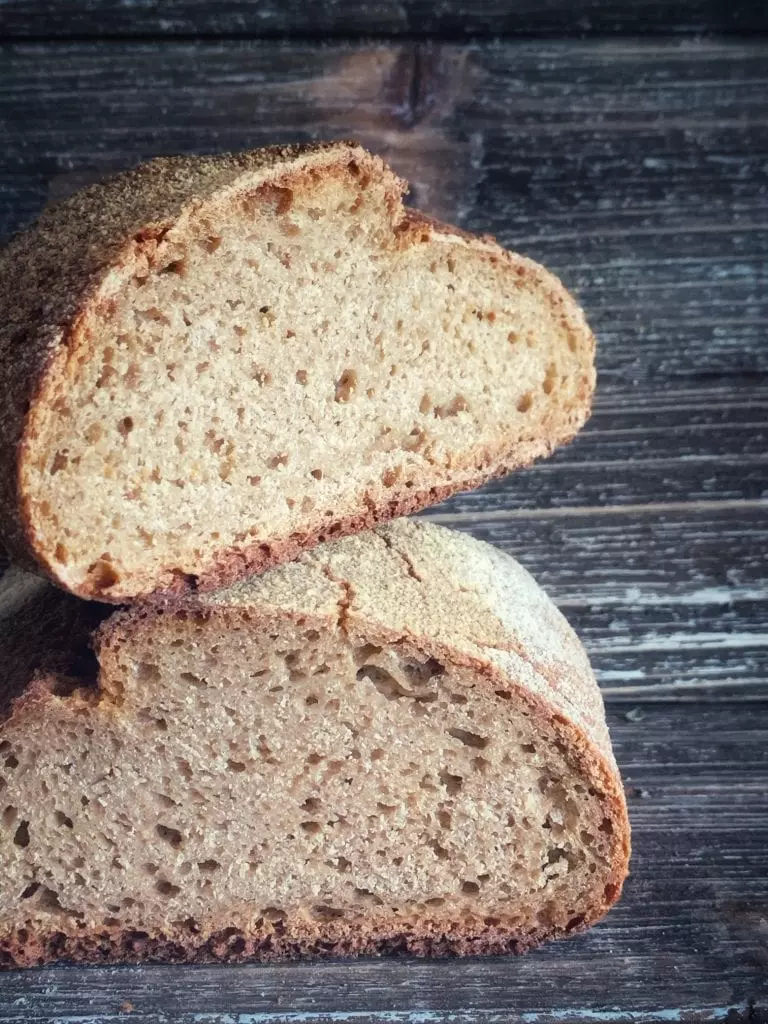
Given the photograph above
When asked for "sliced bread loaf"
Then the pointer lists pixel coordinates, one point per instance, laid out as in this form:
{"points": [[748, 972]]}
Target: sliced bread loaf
{"points": [[207, 365], [395, 743]]}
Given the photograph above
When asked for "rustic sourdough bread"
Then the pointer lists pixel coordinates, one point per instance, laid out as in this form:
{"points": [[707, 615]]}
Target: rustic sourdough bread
{"points": [[395, 743], [207, 365]]}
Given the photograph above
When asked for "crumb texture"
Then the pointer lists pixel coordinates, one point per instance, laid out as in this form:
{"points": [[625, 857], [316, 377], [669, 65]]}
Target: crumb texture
{"points": [[252, 354], [274, 773]]}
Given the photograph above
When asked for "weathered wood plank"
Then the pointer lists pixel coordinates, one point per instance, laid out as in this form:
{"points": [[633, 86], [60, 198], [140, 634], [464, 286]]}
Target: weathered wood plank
{"points": [[670, 600], [689, 931], [456, 19], [642, 555]]}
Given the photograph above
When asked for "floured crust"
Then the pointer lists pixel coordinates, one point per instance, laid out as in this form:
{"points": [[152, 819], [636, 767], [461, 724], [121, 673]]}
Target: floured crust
{"points": [[50, 281]]}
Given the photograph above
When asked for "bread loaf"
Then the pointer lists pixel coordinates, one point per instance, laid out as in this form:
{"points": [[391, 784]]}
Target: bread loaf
{"points": [[210, 364], [394, 743]]}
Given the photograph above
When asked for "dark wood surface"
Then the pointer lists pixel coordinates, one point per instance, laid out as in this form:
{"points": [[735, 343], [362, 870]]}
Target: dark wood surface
{"points": [[446, 19], [638, 170]]}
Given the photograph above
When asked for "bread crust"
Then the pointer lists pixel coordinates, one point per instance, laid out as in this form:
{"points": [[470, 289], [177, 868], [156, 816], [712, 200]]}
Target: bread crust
{"points": [[540, 666], [50, 281], [295, 939]]}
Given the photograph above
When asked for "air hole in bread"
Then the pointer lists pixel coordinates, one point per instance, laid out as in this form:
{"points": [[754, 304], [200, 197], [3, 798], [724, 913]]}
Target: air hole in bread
{"points": [[414, 440], [193, 680], [102, 575], [60, 462], [346, 386], [61, 554], [452, 783], [457, 404], [178, 267], [439, 851], [550, 379], [171, 836], [166, 888], [469, 739], [21, 835], [326, 913]]}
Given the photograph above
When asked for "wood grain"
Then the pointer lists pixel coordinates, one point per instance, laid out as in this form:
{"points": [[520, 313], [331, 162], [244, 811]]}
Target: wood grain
{"points": [[453, 19]]}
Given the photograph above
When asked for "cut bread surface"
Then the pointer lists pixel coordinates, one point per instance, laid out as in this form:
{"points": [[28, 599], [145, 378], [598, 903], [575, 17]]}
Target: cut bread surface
{"points": [[243, 356], [286, 768]]}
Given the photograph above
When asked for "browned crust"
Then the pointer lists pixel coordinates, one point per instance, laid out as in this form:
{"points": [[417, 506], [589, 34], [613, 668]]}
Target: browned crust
{"points": [[417, 219], [275, 942], [48, 277]]}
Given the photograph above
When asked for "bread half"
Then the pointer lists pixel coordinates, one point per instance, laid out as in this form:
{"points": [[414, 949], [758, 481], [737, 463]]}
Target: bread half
{"points": [[208, 365], [394, 744]]}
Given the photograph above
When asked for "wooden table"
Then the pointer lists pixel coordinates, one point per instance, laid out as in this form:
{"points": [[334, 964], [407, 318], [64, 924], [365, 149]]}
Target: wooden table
{"points": [[636, 166]]}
